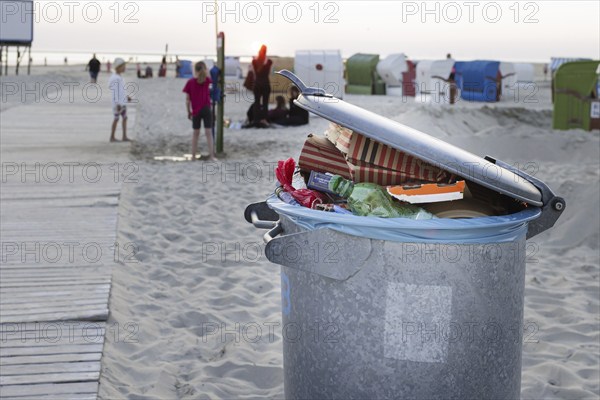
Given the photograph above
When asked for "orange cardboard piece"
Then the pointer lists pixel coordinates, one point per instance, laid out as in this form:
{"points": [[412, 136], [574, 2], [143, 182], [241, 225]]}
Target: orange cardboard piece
{"points": [[428, 192]]}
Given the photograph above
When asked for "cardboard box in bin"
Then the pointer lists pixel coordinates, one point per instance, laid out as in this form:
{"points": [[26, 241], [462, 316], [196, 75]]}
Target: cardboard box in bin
{"points": [[320, 155], [368, 154], [365, 172]]}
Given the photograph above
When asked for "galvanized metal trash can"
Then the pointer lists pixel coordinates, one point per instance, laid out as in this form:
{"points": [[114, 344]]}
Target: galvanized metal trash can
{"points": [[435, 312]]}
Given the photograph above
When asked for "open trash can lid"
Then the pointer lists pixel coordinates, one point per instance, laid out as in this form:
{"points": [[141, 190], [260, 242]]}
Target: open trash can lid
{"points": [[418, 144]]}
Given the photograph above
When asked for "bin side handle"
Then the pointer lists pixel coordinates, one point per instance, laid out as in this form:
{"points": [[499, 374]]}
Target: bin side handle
{"points": [[553, 206], [324, 252], [261, 215], [261, 224], [270, 235]]}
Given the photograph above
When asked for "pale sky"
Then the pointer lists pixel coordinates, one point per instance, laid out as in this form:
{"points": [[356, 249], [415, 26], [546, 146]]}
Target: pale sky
{"points": [[505, 30]]}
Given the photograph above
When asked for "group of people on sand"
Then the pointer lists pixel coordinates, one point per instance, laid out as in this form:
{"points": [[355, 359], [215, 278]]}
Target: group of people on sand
{"points": [[198, 102], [259, 115], [197, 91], [280, 115]]}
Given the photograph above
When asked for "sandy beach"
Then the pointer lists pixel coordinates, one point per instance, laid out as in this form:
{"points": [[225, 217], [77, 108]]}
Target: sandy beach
{"points": [[201, 279], [196, 304]]}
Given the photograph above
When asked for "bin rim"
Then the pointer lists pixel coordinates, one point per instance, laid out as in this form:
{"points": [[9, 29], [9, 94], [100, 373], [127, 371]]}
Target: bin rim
{"points": [[502, 228]]}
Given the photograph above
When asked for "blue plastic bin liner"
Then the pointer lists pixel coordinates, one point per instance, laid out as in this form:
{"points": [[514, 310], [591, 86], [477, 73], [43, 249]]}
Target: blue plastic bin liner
{"points": [[497, 229]]}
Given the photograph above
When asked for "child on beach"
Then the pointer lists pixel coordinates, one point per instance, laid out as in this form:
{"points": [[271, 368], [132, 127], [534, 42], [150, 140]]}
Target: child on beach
{"points": [[197, 105], [119, 99]]}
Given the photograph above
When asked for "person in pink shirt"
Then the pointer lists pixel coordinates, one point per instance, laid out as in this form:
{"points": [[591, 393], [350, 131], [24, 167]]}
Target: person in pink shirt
{"points": [[197, 105]]}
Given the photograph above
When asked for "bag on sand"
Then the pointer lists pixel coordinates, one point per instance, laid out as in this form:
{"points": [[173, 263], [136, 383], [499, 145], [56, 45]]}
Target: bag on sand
{"points": [[249, 81]]}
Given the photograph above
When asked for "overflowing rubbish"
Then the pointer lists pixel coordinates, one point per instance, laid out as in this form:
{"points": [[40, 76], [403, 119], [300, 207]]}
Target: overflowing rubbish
{"points": [[347, 173], [370, 166]]}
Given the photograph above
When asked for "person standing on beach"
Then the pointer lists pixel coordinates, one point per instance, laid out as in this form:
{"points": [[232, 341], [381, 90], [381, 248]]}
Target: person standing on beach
{"points": [[262, 86], [119, 99], [197, 105], [94, 67], [177, 67]]}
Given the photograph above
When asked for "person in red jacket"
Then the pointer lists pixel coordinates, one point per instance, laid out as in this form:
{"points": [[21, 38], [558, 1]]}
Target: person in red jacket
{"points": [[262, 86]]}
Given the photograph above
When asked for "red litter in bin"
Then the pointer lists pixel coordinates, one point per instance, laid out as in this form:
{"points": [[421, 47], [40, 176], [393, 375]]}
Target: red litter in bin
{"points": [[306, 197]]}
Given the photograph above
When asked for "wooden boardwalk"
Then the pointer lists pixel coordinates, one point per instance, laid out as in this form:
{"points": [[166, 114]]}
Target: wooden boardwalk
{"points": [[58, 238]]}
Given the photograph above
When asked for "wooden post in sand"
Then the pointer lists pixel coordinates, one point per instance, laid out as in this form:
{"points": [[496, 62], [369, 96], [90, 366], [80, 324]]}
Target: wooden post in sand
{"points": [[221, 86], [29, 61]]}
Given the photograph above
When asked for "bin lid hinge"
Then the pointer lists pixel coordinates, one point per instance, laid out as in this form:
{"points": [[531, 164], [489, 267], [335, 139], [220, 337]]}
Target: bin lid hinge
{"points": [[553, 206]]}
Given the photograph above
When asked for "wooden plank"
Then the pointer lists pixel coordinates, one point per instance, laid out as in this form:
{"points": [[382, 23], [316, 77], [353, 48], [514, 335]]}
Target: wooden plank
{"points": [[64, 330], [74, 275], [50, 308], [35, 293], [75, 326], [63, 396], [36, 302], [42, 309], [45, 307], [51, 272], [56, 295], [49, 378], [50, 289], [54, 281], [52, 337], [64, 367], [50, 358], [49, 267], [66, 281], [47, 350], [100, 314], [89, 337], [56, 390]]}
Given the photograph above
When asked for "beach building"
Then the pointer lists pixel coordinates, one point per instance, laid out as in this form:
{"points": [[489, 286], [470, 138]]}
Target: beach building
{"points": [[186, 69], [408, 80], [431, 80], [478, 80], [392, 70], [516, 74], [233, 69], [321, 68], [576, 96], [525, 73], [398, 74], [556, 62], [361, 72], [280, 84], [509, 75]]}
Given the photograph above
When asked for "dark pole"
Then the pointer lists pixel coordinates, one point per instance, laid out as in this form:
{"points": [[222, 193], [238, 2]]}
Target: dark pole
{"points": [[221, 84], [1, 57], [6, 61], [18, 60], [29, 63]]}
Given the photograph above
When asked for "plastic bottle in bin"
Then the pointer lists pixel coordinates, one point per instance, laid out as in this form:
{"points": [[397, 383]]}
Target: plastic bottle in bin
{"points": [[370, 199]]}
